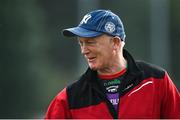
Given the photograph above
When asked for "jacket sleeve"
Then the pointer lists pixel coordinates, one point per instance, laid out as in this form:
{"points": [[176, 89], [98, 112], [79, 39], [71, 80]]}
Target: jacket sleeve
{"points": [[171, 99], [58, 109]]}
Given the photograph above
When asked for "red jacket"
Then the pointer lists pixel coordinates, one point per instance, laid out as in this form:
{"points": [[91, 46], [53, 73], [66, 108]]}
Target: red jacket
{"points": [[146, 92]]}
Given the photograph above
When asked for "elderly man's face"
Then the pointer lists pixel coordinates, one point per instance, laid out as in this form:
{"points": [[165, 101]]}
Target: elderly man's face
{"points": [[98, 51]]}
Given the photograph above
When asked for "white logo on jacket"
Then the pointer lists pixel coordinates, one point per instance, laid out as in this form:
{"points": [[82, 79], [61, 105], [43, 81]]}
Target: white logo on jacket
{"points": [[112, 88]]}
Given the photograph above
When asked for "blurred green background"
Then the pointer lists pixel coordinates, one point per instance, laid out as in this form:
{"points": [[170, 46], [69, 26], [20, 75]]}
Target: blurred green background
{"points": [[36, 61]]}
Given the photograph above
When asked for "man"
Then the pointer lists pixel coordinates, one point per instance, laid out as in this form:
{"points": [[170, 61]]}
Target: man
{"points": [[115, 85]]}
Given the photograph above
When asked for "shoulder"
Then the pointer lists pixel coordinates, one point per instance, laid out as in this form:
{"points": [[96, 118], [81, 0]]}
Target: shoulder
{"points": [[150, 70], [81, 83], [76, 85], [80, 92], [62, 95]]}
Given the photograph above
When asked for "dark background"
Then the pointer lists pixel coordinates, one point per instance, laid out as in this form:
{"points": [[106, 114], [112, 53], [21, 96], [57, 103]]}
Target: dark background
{"points": [[36, 61]]}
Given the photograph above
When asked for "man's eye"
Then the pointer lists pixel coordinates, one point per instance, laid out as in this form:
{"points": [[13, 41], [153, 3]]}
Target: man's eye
{"points": [[91, 42], [87, 43]]}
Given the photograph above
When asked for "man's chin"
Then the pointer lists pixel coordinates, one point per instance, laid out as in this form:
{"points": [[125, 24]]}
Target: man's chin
{"points": [[93, 67]]}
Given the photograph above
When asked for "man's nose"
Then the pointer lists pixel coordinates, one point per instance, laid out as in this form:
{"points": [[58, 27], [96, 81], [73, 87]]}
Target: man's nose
{"points": [[84, 49]]}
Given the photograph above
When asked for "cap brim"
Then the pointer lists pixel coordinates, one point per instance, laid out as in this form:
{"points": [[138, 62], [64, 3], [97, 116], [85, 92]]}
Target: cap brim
{"points": [[79, 31]]}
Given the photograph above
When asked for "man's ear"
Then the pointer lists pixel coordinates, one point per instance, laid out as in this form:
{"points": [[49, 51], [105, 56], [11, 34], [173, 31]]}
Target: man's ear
{"points": [[116, 42]]}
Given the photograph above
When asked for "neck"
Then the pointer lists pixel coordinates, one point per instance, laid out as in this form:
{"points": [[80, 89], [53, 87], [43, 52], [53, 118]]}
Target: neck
{"points": [[114, 68]]}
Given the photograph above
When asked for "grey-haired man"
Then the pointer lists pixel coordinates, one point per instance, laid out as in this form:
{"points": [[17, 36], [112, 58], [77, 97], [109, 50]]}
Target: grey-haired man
{"points": [[114, 86]]}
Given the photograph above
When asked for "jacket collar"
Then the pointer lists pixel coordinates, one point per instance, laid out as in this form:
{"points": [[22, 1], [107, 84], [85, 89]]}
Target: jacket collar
{"points": [[132, 66]]}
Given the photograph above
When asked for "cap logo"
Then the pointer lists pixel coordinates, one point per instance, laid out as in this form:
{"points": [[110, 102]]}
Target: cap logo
{"points": [[109, 27], [85, 19]]}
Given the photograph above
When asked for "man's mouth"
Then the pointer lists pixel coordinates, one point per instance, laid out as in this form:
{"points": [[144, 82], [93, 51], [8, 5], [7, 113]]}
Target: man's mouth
{"points": [[91, 59]]}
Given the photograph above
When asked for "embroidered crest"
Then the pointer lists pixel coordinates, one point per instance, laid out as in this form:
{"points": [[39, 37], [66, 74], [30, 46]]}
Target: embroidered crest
{"points": [[109, 27]]}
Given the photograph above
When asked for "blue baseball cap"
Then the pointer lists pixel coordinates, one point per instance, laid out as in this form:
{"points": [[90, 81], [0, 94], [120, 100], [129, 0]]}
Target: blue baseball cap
{"points": [[96, 23]]}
